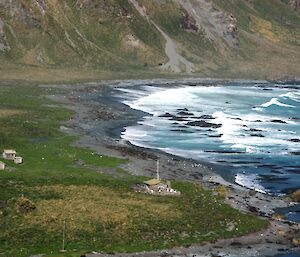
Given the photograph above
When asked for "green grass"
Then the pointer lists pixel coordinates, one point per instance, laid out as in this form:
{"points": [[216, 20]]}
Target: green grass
{"points": [[97, 34], [102, 50], [168, 16], [102, 213]]}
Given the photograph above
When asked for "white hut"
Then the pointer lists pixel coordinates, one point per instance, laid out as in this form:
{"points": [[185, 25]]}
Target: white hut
{"points": [[18, 160], [9, 154], [2, 165]]}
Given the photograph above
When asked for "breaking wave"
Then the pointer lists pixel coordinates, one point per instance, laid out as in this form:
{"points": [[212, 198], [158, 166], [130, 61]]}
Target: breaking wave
{"points": [[275, 101], [228, 125], [250, 181]]}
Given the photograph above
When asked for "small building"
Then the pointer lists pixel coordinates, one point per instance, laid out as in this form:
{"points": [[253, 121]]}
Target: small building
{"points": [[18, 160], [156, 187], [152, 182], [9, 154], [2, 165]]}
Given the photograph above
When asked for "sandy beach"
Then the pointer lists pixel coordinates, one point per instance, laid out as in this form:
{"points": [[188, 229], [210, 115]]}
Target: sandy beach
{"points": [[98, 120]]}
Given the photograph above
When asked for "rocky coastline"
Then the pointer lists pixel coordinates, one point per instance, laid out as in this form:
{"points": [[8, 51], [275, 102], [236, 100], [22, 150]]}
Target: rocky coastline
{"points": [[99, 119]]}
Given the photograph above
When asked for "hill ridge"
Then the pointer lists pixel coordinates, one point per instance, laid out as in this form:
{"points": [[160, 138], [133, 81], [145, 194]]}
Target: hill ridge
{"points": [[254, 38]]}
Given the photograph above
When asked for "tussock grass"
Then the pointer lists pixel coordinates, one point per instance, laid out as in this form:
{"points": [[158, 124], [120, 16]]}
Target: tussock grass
{"points": [[222, 191], [83, 206]]}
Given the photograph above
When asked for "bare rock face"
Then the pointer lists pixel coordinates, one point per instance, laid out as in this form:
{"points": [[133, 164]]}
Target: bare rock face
{"points": [[295, 4], [232, 29], [188, 22], [17, 11], [219, 26], [4, 46]]}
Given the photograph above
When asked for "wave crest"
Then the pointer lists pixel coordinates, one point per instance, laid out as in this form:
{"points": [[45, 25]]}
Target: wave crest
{"points": [[275, 101]]}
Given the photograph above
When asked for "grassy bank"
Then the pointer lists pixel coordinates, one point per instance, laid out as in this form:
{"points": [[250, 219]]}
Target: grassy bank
{"points": [[55, 74], [69, 185]]}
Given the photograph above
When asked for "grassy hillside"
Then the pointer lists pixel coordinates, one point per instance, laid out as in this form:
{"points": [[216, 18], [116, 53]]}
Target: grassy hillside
{"points": [[112, 36], [268, 38], [75, 33]]}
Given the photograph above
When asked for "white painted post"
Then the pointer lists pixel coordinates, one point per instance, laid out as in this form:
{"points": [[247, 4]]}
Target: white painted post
{"points": [[157, 169], [63, 237]]}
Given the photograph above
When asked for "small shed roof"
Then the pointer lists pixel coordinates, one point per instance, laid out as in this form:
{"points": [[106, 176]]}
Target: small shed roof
{"points": [[10, 151], [152, 182]]}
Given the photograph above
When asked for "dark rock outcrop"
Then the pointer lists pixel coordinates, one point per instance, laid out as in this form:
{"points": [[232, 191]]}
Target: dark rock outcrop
{"points": [[206, 117], [203, 124], [278, 121], [188, 22], [295, 140], [257, 135], [255, 130], [183, 113], [166, 115], [295, 4]]}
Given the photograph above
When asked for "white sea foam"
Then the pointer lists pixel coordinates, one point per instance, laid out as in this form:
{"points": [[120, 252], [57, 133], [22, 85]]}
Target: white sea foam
{"points": [[158, 102], [230, 127], [250, 181], [254, 117], [259, 109], [132, 133], [248, 149], [232, 108], [275, 101], [292, 95], [235, 135], [182, 152]]}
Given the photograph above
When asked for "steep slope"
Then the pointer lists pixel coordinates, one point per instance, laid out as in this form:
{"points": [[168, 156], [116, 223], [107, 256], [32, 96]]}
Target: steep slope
{"points": [[240, 38], [176, 61], [76, 33]]}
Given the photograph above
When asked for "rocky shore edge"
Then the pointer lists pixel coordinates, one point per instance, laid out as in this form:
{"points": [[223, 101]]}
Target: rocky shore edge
{"points": [[99, 120]]}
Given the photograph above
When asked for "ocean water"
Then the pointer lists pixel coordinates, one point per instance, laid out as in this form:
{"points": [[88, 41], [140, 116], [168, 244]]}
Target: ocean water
{"points": [[250, 132]]}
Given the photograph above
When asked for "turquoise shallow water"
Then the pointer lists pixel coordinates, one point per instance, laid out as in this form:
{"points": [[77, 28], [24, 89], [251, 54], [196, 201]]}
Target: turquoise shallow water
{"points": [[251, 132]]}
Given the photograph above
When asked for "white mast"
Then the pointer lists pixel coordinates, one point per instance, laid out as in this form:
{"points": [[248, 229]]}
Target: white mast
{"points": [[157, 169], [63, 250]]}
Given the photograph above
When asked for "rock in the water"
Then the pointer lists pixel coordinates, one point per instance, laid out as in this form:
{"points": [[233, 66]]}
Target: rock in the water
{"points": [[224, 152], [206, 117], [183, 109], [166, 115], [216, 135], [178, 118], [184, 113], [203, 124], [278, 121], [257, 135], [295, 153], [295, 140], [255, 130]]}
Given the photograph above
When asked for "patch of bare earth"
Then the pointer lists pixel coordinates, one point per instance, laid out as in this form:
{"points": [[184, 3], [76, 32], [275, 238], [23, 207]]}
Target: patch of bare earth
{"points": [[4, 113]]}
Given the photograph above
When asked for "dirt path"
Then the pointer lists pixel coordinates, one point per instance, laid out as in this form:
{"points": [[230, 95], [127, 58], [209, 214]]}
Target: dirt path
{"points": [[177, 63]]}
